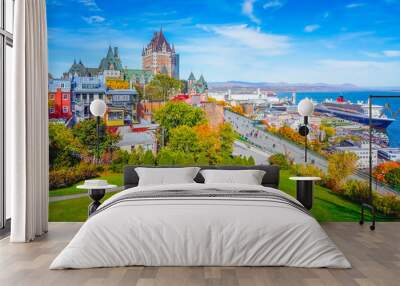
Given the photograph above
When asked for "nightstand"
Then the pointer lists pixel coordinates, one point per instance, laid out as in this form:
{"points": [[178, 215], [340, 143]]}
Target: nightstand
{"points": [[96, 190], [305, 189]]}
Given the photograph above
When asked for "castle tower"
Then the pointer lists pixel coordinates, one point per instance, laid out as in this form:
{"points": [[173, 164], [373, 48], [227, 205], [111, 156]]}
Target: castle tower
{"points": [[158, 56]]}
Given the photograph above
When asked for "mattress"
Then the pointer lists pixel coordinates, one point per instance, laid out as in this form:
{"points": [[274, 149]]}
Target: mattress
{"points": [[201, 225]]}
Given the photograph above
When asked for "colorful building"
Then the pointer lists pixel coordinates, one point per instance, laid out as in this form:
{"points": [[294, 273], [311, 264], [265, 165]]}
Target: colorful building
{"points": [[160, 57], [59, 99], [84, 91]]}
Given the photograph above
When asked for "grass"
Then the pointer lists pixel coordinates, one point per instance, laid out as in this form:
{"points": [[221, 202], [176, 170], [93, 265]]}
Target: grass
{"points": [[113, 179], [327, 205]]}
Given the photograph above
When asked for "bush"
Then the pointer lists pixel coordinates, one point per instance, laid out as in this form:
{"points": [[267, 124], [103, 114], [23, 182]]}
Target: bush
{"points": [[387, 204], [67, 177], [356, 190], [280, 160], [148, 158], [308, 170]]}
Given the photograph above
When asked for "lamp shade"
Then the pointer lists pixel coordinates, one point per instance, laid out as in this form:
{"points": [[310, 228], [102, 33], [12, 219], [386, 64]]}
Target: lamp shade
{"points": [[305, 107], [98, 107]]}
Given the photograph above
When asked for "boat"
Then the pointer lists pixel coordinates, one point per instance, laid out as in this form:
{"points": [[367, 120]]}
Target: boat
{"points": [[356, 112]]}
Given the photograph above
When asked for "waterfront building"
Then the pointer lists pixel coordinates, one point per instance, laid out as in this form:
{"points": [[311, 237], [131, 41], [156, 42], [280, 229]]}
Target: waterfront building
{"points": [[362, 151], [389, 154], [160, 57], [59, 97]]}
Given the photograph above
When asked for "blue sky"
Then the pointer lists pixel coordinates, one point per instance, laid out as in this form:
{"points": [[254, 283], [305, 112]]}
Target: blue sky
{"points": [[310, 41]]}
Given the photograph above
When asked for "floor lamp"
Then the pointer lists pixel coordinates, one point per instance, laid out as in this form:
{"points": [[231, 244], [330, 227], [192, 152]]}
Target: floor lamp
{"points": [[369, 203], [98, 108], [305, 109]]}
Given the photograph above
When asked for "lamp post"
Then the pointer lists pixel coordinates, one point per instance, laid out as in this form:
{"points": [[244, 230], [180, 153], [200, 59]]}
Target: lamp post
{"points": [[305, 109], [98, 108]]}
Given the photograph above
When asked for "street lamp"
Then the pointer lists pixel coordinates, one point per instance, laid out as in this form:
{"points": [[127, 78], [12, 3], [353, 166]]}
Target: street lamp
{"points": [[98, 108], [305, 109]]}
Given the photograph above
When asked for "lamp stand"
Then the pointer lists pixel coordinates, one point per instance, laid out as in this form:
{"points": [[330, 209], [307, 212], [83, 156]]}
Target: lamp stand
{"points": [[98, 140]]}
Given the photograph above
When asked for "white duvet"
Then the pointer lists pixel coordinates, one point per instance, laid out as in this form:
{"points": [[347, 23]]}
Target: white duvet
{"points": [[202, 232]]}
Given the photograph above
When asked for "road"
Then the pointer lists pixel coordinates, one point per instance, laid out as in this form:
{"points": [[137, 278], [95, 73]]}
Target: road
{"points": [[260, 157], [270, 144]]}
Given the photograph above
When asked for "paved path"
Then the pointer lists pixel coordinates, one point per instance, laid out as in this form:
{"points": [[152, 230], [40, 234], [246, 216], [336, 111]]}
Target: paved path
{"points": [[271, 144], [260, 156], [80, 195]]}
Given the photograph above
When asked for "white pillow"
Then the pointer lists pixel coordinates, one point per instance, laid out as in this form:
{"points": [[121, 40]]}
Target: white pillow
{"points": [[248, 177], [166, 176]]}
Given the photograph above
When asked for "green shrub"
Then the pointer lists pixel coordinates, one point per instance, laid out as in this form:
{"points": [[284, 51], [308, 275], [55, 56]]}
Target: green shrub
{"points": [[280, 160], [308, 170], [148, 158], [356, 190], [387, 204], [67, 177]]}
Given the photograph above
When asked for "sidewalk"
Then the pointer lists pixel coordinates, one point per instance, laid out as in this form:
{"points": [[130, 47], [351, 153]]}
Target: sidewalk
{"points": [[68, 197]]}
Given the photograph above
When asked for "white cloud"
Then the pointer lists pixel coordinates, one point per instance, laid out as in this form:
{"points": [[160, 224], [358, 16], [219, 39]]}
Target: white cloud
{"points": [[392, 53], [94, 19], [355, 5], [90, 4], [273, 4], [311, 28], [248, 10], [268, 44]]}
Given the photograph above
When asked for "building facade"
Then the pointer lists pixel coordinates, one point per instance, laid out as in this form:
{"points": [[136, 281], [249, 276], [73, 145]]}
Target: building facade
{"points": [[362, 152], [160, 57], [59, 99], [197, 87]]}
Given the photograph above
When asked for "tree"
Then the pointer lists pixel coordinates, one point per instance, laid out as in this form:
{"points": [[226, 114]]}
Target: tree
{"points": [[175, 114], [86, 132], [209, 143], [148, 92], [64, 150], [393, 178], [340, 166], [183, 138], [382, 169], [166, 85], [202, 160], [227, 136]]}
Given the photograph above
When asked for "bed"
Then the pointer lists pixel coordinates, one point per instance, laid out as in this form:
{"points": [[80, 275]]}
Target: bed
{"points": [[198, 224]]}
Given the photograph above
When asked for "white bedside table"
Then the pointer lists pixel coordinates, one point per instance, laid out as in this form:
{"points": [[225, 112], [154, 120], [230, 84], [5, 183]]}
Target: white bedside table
{"points": [[96, 190]]}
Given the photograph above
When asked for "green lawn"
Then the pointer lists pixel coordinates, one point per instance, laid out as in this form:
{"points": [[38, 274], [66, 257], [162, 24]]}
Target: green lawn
{"points": [[113, 179], [327, 206]]}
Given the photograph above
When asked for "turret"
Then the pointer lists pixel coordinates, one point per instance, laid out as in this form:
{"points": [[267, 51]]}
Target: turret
{"points": [[110, 53], [116, 52]]}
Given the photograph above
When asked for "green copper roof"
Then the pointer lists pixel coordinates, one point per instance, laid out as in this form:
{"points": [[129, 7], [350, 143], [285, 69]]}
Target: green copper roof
{"points": [[191, 76]]}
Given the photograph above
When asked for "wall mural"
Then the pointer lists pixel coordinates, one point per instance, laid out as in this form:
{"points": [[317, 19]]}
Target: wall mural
{"points": [[189, 83]]}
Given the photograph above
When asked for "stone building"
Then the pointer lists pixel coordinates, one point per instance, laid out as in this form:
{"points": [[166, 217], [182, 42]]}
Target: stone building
{"points": [[160, 57]]}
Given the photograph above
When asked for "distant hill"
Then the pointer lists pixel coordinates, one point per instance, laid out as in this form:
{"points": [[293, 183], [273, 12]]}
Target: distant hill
{"points": [[242, 86]]}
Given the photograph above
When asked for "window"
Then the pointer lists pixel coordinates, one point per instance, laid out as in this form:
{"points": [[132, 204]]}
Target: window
{"points": [[65, 96], [51, 96], [65, 109], [6, 43], [52, 110]]}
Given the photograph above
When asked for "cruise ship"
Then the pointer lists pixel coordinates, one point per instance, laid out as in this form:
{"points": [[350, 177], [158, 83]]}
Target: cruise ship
{"points": [[357, 112]]}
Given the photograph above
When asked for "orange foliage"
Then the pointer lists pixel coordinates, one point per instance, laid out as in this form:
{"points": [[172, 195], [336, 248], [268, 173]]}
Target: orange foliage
{"points": [[382, 169], [291, 134], [238, 109]]}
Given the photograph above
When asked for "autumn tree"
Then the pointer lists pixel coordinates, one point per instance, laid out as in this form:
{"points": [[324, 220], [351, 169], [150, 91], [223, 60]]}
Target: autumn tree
{"points": [[166, 85], [183, 138], [227, 136], [340, 166], [382, 169], [86, 133], [64, 149], [175, 114]]}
